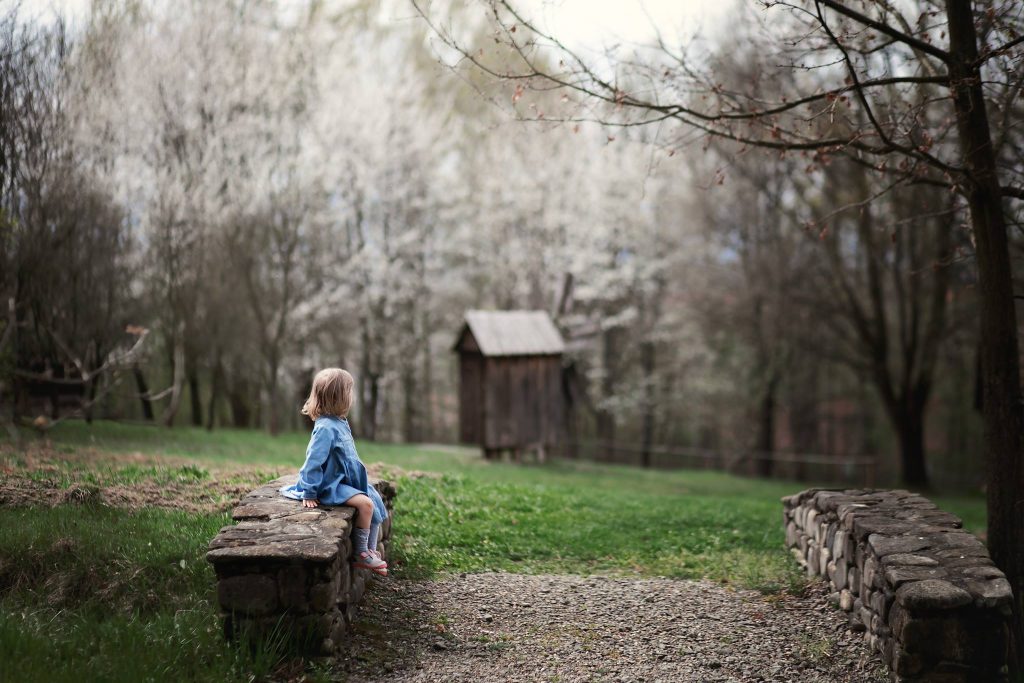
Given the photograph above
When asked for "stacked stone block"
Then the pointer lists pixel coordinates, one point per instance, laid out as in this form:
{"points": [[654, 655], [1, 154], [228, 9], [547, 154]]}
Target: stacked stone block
{"points": [[924, 591], [285, 571]]}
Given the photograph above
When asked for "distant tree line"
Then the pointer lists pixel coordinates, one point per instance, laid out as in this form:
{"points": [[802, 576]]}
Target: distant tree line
{"points": [[204, 202]]}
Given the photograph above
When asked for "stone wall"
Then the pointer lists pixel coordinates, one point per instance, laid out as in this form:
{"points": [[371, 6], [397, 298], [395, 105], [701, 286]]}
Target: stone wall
{"points": [[284, 569], [923, 590]]}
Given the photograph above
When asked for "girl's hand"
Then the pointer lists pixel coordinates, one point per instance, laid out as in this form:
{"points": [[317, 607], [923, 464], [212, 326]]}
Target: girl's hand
{"points": [[310, 503]]}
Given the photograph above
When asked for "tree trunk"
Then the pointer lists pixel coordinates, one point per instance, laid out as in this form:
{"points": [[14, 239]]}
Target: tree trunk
{"points": [[370, 386], [305, 384], [92, 361], [55, 400], [143, 389], [194, 398], [647, 359], [907, 415], [409, 405], [215, 382], [1001, 409], [14, 322], [273, 409], [573, 393], [765, 447], [912, 453], [241, 414], [91, 389], [427, 430], [178, 374], [979, 382], [803, 414], [606, 434], [371, 391], [605, 417]]}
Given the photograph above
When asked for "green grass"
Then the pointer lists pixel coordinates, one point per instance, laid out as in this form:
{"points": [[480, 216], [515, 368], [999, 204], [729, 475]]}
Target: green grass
{"points": [[971, 509], [285, 452], [93, 593], [564, 517], [241, 446], [82, 585], [576, 523]]}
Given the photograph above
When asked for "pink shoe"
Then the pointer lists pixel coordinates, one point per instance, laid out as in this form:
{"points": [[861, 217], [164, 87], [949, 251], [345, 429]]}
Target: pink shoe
{"points": [[367, 560]]}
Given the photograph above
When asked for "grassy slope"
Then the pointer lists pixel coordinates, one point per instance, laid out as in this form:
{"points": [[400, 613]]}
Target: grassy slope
{"points": [[84, 585], [92, 593], [285, 452]]}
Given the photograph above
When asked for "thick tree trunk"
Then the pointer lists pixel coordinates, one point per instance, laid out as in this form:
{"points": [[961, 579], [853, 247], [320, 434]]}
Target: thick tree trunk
{"points": [[907, 415], [241, 412], [979, 382], [766, 430], [195, 399], [912, 453], [1000, 360], [143, 389]]}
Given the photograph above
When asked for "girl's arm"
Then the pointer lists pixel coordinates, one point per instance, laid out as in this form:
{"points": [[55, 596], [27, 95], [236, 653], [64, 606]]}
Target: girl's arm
{"points": [[312, 472]]}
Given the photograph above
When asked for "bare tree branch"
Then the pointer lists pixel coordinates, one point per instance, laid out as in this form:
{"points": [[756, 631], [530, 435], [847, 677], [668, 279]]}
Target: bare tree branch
{"points": [[884, 28], [1012, 191]]}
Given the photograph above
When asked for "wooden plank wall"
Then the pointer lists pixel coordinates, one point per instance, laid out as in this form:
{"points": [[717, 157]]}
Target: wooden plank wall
{"points": [[496, 403], [524, 405], [471, 405]]}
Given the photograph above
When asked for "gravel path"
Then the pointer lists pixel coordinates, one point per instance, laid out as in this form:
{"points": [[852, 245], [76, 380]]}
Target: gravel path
{"points": [[512, 627]]}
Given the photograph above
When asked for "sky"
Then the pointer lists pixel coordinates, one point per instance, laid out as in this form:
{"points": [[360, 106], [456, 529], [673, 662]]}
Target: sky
{"points": [[596, 22], [580, 23]]}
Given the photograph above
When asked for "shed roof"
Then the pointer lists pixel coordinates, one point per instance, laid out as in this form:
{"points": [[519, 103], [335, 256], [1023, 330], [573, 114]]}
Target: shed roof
{"points": [[513, 333]]}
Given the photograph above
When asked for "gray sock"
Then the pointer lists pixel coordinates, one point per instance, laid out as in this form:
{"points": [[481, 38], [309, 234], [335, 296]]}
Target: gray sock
{"points": [[374, 532], [360, 536]]}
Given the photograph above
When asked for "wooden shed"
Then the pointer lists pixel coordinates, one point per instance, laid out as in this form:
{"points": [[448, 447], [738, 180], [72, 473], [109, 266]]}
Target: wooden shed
{"points": [[510, 381]]}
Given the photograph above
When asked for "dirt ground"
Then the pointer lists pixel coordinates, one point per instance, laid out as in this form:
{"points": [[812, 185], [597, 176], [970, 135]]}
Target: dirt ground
{"points": [[41, 475], [510, 627]]}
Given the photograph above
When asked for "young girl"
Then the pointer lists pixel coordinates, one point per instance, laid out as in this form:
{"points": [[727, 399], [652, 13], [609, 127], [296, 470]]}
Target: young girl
{"points": [[333, 473]]}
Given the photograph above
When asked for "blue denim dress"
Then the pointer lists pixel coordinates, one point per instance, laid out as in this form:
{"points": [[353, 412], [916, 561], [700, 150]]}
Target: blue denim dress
{"points": [[333, 472]]}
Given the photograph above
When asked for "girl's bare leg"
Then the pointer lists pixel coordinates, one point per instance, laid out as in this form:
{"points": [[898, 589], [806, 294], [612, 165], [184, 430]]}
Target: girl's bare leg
{"points": [[364, 507]]}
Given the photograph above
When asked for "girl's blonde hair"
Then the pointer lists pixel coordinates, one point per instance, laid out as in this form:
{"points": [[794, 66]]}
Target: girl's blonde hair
{"points": [[331, 394]]}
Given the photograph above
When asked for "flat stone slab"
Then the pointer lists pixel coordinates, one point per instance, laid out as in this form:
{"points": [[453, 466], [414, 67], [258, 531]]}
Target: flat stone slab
{"points": [[303, 549], [274, 527], [286, 569], [932, 594], [909, 560]]}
